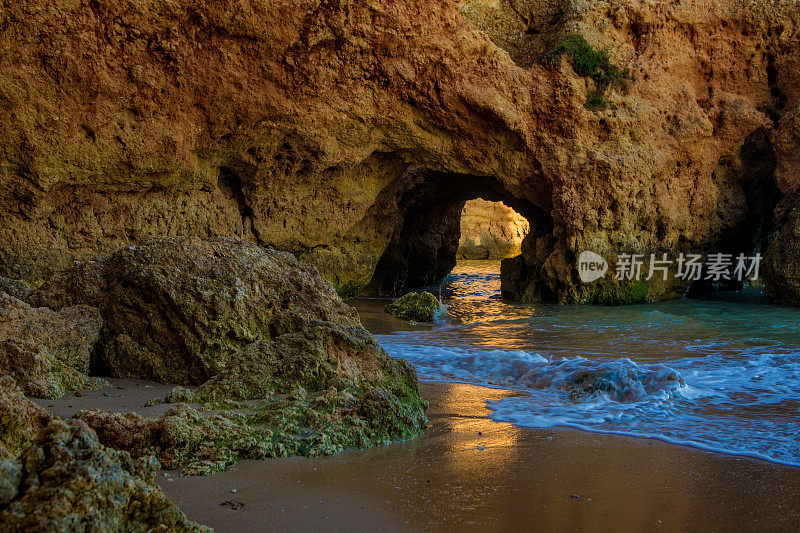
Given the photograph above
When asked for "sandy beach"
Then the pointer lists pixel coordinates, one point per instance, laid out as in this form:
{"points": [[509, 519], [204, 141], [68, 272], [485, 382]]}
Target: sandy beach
{"points": [[468, 472]]}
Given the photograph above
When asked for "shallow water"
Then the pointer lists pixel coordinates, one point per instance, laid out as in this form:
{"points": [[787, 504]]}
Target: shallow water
{"points": [[721, 373]]}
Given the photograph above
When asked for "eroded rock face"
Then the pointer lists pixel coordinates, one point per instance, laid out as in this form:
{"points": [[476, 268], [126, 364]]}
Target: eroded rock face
{"points": [[491, 230], [68, 481], [46, 352], [21, 420], [304, 126]]}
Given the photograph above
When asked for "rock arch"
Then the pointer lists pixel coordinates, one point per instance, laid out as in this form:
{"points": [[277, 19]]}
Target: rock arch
{"points": [[424, 244]]}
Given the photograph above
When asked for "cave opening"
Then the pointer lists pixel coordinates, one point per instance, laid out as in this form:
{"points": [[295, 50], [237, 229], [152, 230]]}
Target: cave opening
{"points": [[447, 216], [746, 209]]}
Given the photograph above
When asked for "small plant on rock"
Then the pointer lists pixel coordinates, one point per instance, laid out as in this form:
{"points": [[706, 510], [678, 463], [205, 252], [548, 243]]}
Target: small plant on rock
{"points": [[589, 62]]}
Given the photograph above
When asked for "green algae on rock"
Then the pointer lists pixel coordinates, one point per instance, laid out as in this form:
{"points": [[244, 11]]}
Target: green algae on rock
{"points": [[416, 306], [320, 356], [46, 352], [201, 442], [68, 481]]}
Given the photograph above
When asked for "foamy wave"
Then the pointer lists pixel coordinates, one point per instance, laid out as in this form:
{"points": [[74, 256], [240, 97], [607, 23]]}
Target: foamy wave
{"points": [[620, 380], [698, 401]]}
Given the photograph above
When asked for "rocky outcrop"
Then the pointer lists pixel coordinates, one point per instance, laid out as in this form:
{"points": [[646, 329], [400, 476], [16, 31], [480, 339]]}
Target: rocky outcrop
{"points": [[68, 481], [46, 352], [491, 230], [352, 133], [416, 306], [21, 420], [183, 438], [244, 323], [310, 423]]}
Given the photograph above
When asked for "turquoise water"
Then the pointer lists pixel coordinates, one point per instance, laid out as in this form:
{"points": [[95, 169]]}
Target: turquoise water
{"points": [[720, 373]]}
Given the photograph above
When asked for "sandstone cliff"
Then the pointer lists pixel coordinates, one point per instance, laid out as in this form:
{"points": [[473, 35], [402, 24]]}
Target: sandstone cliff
{"points": [[351, 133], [491, 230]]}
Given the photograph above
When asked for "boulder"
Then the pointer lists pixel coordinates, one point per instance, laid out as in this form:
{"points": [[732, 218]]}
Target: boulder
{"points": [[179, 310], [186, 310], [47, 352], [68, 481], [21, 420], [416, 306], [179, 395], [244, 323]]}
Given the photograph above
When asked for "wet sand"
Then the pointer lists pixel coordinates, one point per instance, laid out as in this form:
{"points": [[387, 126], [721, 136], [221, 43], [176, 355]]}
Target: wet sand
{"points": [[471, 473], [122, 396]]}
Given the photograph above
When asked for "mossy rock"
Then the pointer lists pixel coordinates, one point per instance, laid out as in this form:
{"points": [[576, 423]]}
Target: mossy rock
{"points": [[47, 352], [312, 424], [246, 324], [416, 306], [621, 385], [68, 481], [609, 292]]}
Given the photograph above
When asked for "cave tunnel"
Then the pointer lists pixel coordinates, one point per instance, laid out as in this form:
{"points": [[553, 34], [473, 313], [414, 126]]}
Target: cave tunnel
{"points": [[424, 248]]}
